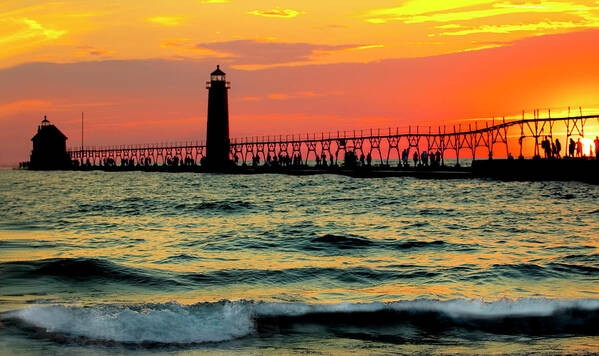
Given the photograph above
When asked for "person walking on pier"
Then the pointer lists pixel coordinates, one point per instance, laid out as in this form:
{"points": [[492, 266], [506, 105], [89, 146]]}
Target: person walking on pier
{"points": [[546, 145], [571, 147], [596, 147], [415, 158], [578, 148], [558, 148]]}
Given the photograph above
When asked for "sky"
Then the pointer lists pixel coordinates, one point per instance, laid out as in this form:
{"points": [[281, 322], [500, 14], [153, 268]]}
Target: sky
{"points": [[137, 69]]}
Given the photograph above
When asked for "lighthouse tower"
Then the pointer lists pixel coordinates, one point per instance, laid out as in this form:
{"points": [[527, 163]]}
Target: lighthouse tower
{"points": [[217, 133]]}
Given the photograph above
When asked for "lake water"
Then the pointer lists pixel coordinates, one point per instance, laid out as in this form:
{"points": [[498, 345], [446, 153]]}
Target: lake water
{"points": [[155, 263]]}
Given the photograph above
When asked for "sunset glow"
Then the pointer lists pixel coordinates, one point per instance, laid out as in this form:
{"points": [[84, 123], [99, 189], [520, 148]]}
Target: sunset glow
{"points": [[137, 71]]}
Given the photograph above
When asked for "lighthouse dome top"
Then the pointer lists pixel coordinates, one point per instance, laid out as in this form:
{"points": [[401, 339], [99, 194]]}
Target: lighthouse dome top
{"points": [[45, 122], [218, 75], [217, 71]]}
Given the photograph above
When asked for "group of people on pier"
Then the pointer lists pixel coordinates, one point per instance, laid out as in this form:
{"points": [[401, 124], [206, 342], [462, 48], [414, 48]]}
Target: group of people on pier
{"points": [[140, 162], [552, 149], [425, 158]]}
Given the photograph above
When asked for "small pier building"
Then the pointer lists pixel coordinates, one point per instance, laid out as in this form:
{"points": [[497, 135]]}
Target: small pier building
{"points": [[49, 148]]}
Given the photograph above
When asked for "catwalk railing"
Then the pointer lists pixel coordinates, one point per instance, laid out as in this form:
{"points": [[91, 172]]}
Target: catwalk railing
{"points": [[377, 144]]}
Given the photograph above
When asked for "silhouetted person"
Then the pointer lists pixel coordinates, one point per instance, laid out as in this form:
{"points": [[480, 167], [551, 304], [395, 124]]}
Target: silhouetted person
{"points": [[578, 148], [369, 159], [424, 158], [571, 147], [323, 158], [415, 158], [596, 147], [558, 148], [546, 145], [362, 158]]}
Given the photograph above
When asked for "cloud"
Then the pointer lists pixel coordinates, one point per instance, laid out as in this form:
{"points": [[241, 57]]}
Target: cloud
{"points": [[412, 8], [293, 95], [534, 27], [253, 52], [369, 46], [23, 106], [22, 29], [278, 96], [283, 96], [448, 26], [185, 46], [84, 51], [417, 11], [175, 42], [284, 13], [167, 20]]}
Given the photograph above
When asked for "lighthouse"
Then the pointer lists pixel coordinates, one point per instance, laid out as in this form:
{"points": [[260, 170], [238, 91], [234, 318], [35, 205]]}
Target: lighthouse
{"points": [[217, 132]]}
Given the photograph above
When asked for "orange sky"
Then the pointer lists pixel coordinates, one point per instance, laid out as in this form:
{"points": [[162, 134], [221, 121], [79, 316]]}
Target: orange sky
{"points": [[137, 69]]}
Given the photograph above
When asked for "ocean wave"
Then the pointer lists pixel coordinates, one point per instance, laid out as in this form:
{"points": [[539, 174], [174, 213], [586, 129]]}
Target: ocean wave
{"points": [[82, 269], [168, 323], [355, 242], [232, 205], [294, 275], [92, 271], [112, 207], [342, 241], [172, 323]]}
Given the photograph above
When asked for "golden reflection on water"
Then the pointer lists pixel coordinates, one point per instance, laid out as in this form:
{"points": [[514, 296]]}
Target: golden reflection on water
{"points": [[156, 248], [476, 239]]}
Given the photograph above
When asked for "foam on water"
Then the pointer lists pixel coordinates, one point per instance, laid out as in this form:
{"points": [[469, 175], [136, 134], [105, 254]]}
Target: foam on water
{"points": [[172, 323], [158, 323]]}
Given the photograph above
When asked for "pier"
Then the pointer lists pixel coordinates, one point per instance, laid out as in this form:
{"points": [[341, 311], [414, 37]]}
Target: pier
{"points": [[379, 144], [414, 151]]}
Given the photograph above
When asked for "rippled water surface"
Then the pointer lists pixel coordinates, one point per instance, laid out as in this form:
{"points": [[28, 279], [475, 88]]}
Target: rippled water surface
{"points": [[120, 263]]}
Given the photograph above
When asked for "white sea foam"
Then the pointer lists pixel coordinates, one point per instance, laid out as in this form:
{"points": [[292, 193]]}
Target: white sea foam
{"points": [[458, 308], [214, 322], [164, 323]]}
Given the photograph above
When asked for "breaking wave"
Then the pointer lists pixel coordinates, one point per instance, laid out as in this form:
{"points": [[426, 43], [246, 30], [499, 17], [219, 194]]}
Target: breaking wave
{"points": [[175, 324]]}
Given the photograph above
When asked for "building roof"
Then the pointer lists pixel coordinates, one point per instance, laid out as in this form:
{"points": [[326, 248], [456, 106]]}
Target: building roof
{"points": [[48, 131], [217, 71]]}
